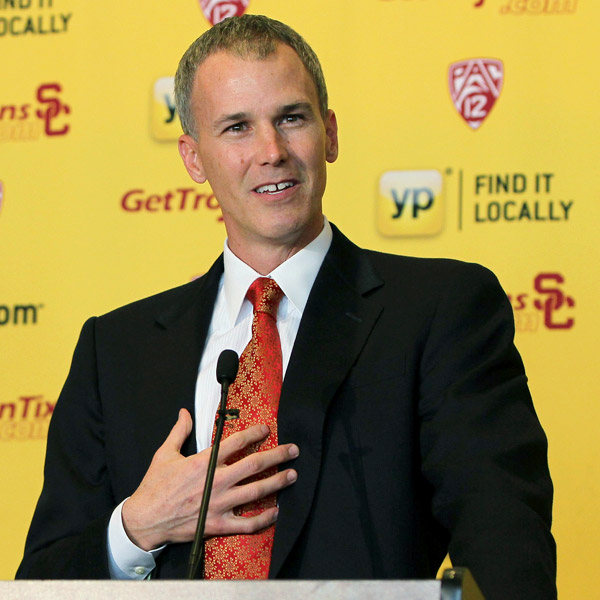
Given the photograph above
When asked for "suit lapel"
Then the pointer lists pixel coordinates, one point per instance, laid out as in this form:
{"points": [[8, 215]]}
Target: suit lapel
{"points": [[185, 326], [335, 325]]}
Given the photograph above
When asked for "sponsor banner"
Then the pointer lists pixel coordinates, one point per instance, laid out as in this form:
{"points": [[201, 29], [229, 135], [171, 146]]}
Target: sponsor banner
{"points": [[25, 418], [27, 18], [45, 114], [479, 147]]}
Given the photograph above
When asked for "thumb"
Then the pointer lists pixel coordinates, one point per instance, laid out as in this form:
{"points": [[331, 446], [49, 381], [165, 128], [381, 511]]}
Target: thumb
{"points": [[180, 432]]}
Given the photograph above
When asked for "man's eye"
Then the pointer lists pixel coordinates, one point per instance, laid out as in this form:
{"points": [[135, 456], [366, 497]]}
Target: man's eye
{"points": [[236, 127], [292, 118]]}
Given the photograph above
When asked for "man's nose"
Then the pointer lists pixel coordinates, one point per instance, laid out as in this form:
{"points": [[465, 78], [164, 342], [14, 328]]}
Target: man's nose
{"points": [[272, 146]]}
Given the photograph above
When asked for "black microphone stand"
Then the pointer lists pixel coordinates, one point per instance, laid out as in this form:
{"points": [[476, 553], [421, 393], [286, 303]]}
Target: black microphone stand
{"points": [[223, 415]]}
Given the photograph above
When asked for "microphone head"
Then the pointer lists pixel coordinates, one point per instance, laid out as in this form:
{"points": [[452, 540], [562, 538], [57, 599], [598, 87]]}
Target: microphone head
{"points": [[227, 366]]}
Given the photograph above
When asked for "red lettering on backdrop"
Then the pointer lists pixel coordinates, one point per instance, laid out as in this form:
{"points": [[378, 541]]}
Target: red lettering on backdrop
{"points": [[555, 299], [179, 199], [53, 109]]}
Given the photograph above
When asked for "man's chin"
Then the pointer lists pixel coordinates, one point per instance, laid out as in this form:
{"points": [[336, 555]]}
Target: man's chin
{"points": [[295, 232], [283, 229]]}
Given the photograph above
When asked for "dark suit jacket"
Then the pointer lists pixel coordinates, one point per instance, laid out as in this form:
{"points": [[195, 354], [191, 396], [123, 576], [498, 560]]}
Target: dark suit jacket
{"points": [[404, 392]]}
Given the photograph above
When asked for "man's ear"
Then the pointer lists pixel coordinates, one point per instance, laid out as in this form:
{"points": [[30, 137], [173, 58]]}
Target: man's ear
{"points": [[331, 133], [188, 150]]}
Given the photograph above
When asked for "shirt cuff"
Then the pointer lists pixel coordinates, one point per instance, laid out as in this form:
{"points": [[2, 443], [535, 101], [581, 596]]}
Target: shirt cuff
{"points": [[125, 559]]}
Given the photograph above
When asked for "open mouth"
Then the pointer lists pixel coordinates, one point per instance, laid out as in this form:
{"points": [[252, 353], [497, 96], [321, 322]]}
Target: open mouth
{"points": [[273, 188]]}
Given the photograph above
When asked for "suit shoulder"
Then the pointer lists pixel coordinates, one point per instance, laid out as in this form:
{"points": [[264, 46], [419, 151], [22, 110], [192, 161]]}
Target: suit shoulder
{"points": [[432, 271], [151, 306]]}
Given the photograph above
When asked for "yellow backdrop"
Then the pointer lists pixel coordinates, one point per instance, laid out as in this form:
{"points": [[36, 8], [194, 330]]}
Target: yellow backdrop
{"points": [[468, 129]]}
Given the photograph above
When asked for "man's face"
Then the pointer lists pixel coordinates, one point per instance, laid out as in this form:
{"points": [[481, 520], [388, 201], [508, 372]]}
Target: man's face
{"points": [[262, 145]]}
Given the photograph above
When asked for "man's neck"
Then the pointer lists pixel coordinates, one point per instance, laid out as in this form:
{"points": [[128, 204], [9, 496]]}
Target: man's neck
{"points": [[266, 261], [264, 258]]}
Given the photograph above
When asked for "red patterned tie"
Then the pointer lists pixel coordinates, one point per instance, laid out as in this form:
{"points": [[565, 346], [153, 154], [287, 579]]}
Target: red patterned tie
{"points": [[255, 392]]}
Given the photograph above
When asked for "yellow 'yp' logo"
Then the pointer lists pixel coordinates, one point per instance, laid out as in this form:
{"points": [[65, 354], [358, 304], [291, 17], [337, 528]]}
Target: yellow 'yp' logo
{"points": [[410, 203], [164, 122]]}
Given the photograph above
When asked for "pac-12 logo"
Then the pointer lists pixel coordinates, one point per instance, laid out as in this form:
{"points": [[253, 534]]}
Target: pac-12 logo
{"points": [[475, 85], [410, 203], [217, 10]]}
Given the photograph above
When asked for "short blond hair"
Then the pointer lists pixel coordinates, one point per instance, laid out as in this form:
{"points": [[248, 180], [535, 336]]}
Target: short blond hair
{"points": [[248, 36]]}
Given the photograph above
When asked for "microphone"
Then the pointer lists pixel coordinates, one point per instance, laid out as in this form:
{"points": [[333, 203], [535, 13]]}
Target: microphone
{"points": [[227, 368]]}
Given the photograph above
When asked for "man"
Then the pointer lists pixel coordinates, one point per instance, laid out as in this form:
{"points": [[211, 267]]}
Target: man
{"points": [[404, 427]]}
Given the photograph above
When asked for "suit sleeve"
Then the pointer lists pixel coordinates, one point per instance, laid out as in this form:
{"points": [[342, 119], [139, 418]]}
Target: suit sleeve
{"points": [[483, 449], [67, 537]]}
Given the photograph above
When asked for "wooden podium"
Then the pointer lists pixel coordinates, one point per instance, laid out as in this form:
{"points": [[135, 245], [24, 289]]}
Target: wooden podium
{"points": [[456, 584]]}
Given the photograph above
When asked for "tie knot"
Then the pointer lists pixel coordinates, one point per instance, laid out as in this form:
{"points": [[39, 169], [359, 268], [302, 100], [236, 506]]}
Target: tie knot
{"points": [[265, 295]]}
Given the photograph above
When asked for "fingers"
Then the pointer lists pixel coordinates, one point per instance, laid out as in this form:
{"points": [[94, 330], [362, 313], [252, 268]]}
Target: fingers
{"points": [[240, 440], [256, 523], [230, 475], [231, 490], [164, 508], [256, 490], [223, 521], [234, 525], [180, 432]]}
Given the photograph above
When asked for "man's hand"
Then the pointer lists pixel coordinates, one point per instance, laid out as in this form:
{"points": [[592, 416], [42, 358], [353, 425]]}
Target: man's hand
{"points": [[165, 506]]}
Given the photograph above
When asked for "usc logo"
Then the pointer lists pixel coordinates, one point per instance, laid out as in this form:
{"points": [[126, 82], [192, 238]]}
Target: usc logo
{"points": [[52, 107], [552, 305], [19, 122]]}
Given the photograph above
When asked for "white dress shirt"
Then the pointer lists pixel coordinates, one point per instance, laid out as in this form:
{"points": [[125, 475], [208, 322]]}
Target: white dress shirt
{"points": [[230, 327]]}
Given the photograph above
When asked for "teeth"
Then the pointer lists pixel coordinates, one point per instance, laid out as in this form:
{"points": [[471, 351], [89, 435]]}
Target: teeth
{"points": [[267, 188], [272, 188]]}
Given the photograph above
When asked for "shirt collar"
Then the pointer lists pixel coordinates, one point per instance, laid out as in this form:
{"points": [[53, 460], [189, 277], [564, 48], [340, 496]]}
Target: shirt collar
{"points": [[295, 276]]}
